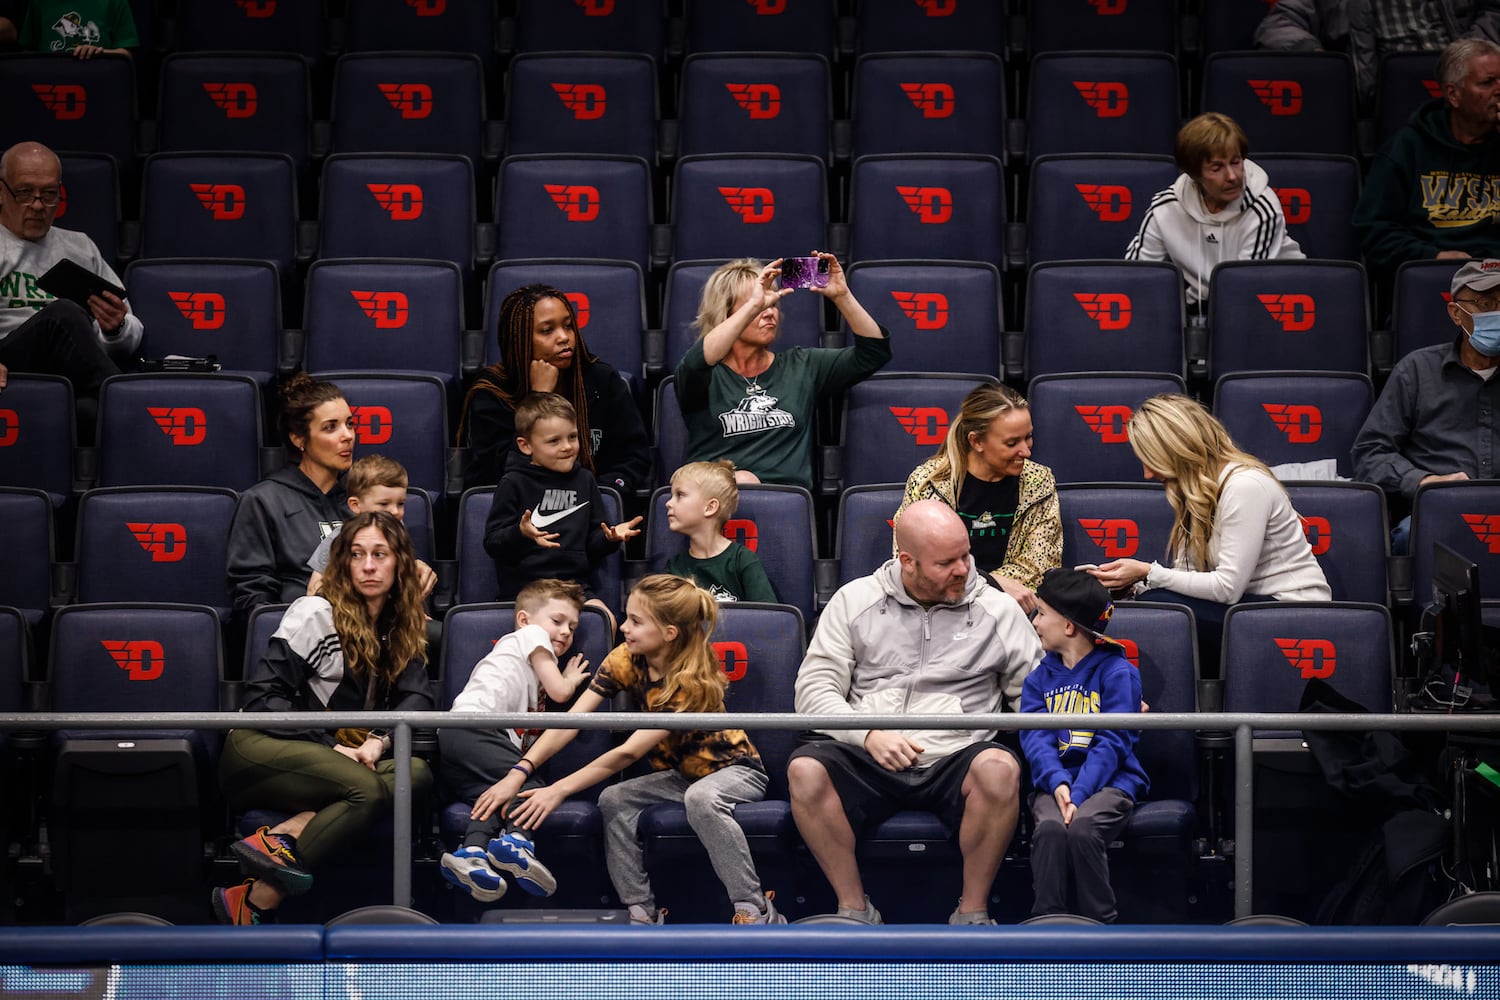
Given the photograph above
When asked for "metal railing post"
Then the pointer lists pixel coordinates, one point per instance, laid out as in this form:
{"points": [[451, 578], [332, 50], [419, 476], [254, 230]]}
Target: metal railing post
{"points": [[401, 816], [1244, 819]]}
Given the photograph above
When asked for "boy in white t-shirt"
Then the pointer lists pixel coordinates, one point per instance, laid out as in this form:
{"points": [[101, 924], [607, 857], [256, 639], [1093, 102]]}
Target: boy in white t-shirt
{"points": [[519, 675]]}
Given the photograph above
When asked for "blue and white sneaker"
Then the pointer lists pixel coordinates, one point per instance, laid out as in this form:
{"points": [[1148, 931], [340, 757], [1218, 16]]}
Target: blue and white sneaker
{"points": [[469, 869], [513, 853]]}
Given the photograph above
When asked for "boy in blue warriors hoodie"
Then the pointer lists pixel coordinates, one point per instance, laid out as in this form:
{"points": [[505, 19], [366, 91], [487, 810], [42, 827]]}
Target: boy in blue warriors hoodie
{"points": [[1086, 781]]}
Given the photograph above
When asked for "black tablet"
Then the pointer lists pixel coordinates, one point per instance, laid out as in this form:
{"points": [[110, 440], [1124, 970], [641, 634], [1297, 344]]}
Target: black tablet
{"points": [[69, 280]]}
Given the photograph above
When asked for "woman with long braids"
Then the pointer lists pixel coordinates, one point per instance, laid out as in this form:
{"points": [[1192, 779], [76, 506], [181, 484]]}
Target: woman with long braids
{"points": [[542, 350], [359, 644]]}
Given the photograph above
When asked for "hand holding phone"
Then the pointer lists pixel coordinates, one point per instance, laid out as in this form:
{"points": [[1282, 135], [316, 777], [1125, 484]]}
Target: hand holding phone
{"points": [[804, 272]]}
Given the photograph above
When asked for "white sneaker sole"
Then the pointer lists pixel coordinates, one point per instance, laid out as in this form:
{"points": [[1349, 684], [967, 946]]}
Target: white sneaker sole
{"points": [[456, 872]]}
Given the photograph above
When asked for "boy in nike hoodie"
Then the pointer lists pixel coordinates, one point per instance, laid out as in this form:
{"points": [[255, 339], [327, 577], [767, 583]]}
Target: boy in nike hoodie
{"points": [[544, 522], [1086, 781]]}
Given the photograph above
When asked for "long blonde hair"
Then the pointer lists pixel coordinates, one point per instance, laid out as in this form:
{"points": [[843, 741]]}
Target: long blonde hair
{"points": [[716, 304], [358, 635], [979, 409], [691, 668], [1183, 444]]}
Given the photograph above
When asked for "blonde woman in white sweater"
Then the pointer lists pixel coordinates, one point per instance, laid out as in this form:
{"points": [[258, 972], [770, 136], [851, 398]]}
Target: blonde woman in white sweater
{"points": [[1220, 208], [1235, 536]]}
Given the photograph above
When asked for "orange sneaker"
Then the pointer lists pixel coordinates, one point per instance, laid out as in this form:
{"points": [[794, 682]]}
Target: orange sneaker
{"points": [[232, 905], [273, 856]]}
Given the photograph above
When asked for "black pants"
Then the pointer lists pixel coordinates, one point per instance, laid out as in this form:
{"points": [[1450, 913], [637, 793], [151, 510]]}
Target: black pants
{"points": [[60, 340], [473, 760]]}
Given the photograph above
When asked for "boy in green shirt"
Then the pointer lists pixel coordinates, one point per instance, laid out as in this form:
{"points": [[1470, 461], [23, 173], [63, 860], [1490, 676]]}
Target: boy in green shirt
{"points": [[704, 498]]}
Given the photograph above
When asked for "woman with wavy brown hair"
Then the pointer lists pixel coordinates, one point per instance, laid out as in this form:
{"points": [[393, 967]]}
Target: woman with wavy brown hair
{"points": [[359, 644]]}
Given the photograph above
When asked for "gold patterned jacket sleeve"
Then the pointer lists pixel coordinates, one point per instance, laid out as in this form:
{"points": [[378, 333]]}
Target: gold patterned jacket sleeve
{"points": [[1036, 539], [921, 486]]}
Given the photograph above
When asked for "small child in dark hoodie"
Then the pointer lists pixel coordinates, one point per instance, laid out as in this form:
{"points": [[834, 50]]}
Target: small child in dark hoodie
{"points": [[545, 520], [1086, 781]]}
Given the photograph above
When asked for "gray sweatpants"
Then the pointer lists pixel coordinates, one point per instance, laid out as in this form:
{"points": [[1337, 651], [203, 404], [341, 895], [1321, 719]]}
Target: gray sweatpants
{"points": [[1078, 852], [710, 803]]}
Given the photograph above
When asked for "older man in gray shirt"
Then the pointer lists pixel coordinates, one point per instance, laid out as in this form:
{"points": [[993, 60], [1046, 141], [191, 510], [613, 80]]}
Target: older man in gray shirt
{"points": [[1436, 419]]}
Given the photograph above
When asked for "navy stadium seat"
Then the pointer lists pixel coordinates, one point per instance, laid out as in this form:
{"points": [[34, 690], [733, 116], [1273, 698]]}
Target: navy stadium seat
{"points": [[224, 101], [582, 102], [1091, 315], [1419, 314], [755, 102], [1309, 315], [1318, 193], [251, 27], [575, 206], [37, 435], [944, 207], [809, 26], [1291, 102], [166, 545], [1345, 523], [385, 315], [90, 201], [1079, 422], [1465, 516], [26, 536], [1086, 207], [774, 522], [929, 102], [1226, 25], [154, 786], [71, 105], [943, 317], [592, 26], [758, 205], [1101, 102], [230, 309], [403, 417], [434, 25], [1403, 83], [893, 421], [1154, 867], [410, 102], [1282, 417], [863, 532], [760, 647], [1102, 522], [903, 26], [398, 205], [211, 205], [1102, 24], [179, 430], [671, 438]]}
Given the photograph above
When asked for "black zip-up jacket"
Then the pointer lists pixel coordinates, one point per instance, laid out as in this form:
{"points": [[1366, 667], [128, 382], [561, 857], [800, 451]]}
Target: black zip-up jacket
{"points": [[279, 523]]}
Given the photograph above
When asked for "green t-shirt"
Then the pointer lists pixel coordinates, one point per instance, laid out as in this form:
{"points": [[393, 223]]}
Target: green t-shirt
{"points": [[733, 575], [63, 25], [765, 424]]}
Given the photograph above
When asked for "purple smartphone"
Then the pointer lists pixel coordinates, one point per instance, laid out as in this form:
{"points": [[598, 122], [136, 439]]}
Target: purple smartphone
{"points": [[804, 272]]}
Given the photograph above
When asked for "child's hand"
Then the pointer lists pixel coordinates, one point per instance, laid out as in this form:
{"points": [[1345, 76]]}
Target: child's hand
{"points": [[623, 531], [536, 805], [314, 582], [497, 795], [1064, 797], [577, 671], [546, 539]]}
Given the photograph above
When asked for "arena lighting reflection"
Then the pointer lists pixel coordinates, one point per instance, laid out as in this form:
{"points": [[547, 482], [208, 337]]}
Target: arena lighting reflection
{"points": [[899, 963]]}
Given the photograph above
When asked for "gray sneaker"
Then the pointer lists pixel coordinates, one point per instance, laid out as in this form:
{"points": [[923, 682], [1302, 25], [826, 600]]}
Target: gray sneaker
{"points": [[641, 915], [749, 913], [981, 917], [868, 915]]}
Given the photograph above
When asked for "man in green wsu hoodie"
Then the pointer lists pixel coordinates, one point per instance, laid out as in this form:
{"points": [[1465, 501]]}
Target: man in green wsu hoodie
{"points": [[1434, 189]]}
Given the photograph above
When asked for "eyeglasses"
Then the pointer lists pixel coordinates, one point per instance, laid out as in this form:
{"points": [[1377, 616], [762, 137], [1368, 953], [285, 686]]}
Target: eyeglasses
{"points": [[1486, 303], [47, 196]]}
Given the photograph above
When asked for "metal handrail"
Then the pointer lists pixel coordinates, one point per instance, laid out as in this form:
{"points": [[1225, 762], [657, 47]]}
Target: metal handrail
{"points": [[1243, 725]]}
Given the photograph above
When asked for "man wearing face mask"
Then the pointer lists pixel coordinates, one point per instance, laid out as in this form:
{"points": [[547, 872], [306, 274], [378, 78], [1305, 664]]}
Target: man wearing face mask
{"points": [[1435, 421]]}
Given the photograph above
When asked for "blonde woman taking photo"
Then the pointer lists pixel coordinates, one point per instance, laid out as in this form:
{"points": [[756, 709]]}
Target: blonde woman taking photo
{"points": [[1235, 536]]}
